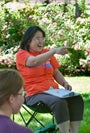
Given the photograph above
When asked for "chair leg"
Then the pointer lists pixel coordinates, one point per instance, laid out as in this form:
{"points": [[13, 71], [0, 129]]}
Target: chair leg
{"points": [[13, 117], [23, 119], [33, 116]]}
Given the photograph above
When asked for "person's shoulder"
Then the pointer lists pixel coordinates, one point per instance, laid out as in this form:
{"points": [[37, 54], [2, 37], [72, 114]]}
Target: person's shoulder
{"points": [[20, 128], [10, 126], [21, 52], [26, 130]]}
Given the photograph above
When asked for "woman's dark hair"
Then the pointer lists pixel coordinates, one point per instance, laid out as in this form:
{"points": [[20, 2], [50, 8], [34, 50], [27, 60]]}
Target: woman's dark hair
{"points": [[11, 83], [29, 34]]}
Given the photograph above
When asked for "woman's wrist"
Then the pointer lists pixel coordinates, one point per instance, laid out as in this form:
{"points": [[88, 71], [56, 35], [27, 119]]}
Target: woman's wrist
{"points": [[65, 82], [67, 86]]}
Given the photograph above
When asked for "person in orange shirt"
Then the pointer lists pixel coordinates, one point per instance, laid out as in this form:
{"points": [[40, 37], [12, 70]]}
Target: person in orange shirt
{"points": [[40, 71]]}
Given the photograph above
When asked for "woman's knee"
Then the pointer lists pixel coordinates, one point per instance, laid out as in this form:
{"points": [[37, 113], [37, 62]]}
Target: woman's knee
{"points": [[60, 110]]}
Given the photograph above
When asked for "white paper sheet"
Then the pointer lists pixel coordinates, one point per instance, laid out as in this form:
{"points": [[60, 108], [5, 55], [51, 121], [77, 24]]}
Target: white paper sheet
{"points": [[62, 93]]}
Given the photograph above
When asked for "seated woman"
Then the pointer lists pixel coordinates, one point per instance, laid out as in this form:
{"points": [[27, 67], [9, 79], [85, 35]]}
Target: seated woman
{"points": [[11, 99], [40, 71]]}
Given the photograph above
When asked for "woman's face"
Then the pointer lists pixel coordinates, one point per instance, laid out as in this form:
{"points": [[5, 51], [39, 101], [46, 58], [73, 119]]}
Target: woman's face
{"points": [[17, 101], [37, 43]]}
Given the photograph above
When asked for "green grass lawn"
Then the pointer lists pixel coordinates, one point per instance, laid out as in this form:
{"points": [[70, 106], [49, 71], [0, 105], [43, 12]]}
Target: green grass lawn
{"points": [[79, 84], [82, 85]]}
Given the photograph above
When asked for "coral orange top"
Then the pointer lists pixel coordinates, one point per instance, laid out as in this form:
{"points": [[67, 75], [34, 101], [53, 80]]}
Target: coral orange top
{"points": [[36, 78]]}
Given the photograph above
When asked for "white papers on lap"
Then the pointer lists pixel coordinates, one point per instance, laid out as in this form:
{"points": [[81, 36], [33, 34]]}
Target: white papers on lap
{"points": [[62, 93]]}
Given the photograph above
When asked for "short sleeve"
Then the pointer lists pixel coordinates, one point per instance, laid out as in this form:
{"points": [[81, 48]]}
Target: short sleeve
{"points": [[54, 62], [21, 57]]}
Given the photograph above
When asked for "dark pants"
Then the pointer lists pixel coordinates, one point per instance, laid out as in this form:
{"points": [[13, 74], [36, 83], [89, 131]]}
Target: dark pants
{"points": [[63, 109]]}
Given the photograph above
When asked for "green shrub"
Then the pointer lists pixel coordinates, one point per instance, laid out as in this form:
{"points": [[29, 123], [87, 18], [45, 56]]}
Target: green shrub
{"points": [[14, 23], [61, 29]]}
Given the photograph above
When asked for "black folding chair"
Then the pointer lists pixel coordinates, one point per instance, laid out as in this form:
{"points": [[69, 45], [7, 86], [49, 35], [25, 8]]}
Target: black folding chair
{"points": [[32, 115]]}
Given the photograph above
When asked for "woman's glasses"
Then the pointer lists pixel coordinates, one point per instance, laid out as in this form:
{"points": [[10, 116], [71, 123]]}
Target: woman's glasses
{"points": [[22, 94], [38, 39]]}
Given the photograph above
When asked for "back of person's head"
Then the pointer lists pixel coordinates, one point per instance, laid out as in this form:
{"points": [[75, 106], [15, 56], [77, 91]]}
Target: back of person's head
{"points": [[28, 36], [10, 84]]}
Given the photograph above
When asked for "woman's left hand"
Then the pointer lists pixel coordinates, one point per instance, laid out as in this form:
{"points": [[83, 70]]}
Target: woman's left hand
{"points": [[67, 86]]}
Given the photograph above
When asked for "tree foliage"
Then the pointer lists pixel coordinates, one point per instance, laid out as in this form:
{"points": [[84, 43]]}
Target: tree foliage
{"points": [[60, 26]]}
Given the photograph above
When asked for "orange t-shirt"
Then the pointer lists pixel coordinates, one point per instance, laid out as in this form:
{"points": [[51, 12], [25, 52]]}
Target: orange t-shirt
{"points": [[36, 78]]}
